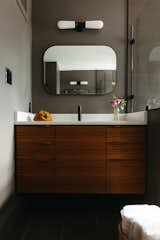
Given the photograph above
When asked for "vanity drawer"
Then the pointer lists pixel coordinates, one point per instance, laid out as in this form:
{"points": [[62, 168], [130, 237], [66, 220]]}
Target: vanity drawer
{"points": [[89, 134], [125, 151], [44, 134], [80, 180], [126, 177], [125, 134]]}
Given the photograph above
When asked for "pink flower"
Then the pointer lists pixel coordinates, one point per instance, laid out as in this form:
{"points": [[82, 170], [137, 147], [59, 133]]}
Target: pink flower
{"points": [[114, 104], [119, 103]]}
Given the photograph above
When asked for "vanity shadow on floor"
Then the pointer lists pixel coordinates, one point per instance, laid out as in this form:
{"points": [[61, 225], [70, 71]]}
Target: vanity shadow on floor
{"points": [[66, 219]]}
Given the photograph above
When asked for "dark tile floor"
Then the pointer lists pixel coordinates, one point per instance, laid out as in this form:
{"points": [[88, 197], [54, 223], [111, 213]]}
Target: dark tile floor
{"points": [[66, 219]]}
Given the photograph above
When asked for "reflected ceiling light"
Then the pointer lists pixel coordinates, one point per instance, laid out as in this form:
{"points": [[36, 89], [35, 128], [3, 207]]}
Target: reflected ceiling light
{"points": [[80, 26], [73, 83], [83, 82]]}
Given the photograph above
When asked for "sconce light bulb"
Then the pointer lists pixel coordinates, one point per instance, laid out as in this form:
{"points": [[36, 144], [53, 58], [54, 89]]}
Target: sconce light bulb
{"points": [[66, 24], [94, 24]]}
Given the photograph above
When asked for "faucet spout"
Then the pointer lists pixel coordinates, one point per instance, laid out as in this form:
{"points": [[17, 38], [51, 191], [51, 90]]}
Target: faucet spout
{"points": [[79, 113]]}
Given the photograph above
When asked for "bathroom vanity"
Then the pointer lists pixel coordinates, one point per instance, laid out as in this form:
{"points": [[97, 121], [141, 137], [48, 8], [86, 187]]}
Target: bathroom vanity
{"points": [[106, 157]]}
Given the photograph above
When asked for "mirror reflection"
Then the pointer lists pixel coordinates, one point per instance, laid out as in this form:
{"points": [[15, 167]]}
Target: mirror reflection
{"points": [[79, 70]]}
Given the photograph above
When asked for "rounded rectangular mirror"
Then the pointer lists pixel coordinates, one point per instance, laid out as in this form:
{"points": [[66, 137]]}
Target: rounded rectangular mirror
{"points": [[79, 70]]}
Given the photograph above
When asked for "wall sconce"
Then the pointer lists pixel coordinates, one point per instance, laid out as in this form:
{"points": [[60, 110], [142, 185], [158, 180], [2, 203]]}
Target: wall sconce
{"points": [[80, 26]]}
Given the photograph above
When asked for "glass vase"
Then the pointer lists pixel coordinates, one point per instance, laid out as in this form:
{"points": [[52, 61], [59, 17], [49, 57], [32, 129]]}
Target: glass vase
{"points": [[116, 113]]}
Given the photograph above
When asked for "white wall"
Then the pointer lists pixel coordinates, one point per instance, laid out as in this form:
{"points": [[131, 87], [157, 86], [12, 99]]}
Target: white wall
{"points": [[15, 53]]}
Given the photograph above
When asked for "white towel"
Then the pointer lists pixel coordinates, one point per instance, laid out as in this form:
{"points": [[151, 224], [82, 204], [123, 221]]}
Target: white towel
{"points": [[141, 222]]}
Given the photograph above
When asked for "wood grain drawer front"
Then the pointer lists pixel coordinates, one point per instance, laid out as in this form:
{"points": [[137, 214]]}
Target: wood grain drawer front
{"points": [[125, 151], [80, 180], [80, 159], [83, 154], [35, 159], [35, 150], [125, 156], [126, 134], [38, 178], [126, 177], [35, 133], [35, 163], [79, 133], [80, 146]]}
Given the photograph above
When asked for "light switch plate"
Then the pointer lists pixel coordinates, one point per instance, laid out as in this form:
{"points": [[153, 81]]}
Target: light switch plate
{"points": [[8, 76]]}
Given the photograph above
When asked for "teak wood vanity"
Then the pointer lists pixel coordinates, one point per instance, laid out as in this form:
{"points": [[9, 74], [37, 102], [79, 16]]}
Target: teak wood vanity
{"points": [[80, 159]]}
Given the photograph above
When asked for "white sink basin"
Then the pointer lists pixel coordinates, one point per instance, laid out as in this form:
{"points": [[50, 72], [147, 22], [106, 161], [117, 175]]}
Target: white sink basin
{"points": [[137, 118]]}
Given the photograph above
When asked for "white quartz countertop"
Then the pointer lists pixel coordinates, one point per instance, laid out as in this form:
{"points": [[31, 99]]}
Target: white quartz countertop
{"points": [[136, 118]]}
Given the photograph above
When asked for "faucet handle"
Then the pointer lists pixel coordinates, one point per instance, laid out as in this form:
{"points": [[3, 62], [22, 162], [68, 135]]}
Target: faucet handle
{"points": [[79, 112], [79, 107]]}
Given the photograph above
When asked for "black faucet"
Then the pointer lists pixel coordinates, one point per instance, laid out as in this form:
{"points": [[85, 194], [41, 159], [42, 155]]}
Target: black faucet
{"points": [[79, 112]]}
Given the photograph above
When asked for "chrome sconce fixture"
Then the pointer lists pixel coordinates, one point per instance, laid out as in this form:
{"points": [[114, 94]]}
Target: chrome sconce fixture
{"points": [[80, 26]]}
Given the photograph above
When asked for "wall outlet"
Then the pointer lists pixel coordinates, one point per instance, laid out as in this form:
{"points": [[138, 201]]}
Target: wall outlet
{"points": [[8, 76]]}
